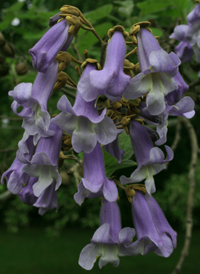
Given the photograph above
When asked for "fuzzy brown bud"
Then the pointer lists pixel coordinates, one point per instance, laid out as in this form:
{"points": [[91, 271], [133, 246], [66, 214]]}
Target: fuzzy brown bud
{"points": [[21, 68]]}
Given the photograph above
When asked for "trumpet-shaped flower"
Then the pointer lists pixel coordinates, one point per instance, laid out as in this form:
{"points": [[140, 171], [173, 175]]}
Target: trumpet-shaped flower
{"points": [[16, 177], [157, 71], [34, 100], [154, 234], [44, 163], [109, 241], [150, 159], [84, 123], [95, 180], [111, 80], [46, 49]]}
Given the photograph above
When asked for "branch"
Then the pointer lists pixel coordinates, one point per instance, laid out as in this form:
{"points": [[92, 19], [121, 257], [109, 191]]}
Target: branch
{"points": [[10, 118], [191, 177], [5, 195]]}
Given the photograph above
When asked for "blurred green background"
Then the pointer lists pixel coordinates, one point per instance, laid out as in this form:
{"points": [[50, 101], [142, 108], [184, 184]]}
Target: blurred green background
{"points": [[52, 243]]}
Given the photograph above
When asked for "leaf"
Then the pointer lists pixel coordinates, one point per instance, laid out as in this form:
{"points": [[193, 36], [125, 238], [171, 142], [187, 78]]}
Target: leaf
{"points": [[111, 163], [125, 144], [99, 13], [157, 32], [88, 40], [151, 6], [126, 7]]}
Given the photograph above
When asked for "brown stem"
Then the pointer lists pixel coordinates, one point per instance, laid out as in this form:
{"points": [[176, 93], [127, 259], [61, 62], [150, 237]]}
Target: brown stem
{"points": [[191, 177]]}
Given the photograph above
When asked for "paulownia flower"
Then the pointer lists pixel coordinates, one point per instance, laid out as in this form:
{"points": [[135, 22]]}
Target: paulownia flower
{"points": [[109, 242], [111, 80], [154, 234], [150, 159], [157, 71], [46, 49], [34, 100], [44, 163], [95, 180], [83, 121]]}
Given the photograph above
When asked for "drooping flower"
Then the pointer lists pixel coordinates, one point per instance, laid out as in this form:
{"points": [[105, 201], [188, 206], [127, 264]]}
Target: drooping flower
{"points": [[95, 180], [84, 122], [158, 69], [109, 241], [184, 50], [44, 163], [150, 159], [47, 200], [154, 234], [46, 49], [111, 80], [16, 177], [34, 100]]}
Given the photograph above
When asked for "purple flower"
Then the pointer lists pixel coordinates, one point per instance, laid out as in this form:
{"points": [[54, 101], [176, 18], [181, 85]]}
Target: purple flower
{"points": [[109, 241], [44, 163], [95, 180], [157, 71], [154, 234], [84, 122], [150, 159], [47, 200], [184, 50], [46, 49], [16, 176], [34, 100], [111, 80]]}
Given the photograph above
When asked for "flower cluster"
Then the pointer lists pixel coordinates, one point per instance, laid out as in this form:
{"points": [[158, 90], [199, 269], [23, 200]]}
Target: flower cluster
{"points": [[110, 99], [189, 37]]}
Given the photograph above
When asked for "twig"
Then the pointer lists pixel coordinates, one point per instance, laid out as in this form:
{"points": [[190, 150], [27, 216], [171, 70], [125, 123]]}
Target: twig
{"points": [[194, 83], [10, 118], [177, 137], [191, 177], [8, 149], [67, 92], [5, 195], [74, 170]]}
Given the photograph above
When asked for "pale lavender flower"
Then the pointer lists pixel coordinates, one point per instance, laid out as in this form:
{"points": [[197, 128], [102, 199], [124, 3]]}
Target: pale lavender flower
{"points": [[46, 49], [84, 122], [150, 159], [44, 163], [95, 180], [47, 200], [158, 69], [15, 175], [111, 80], [184, 50], [154, 234], [109, 242], [34, 100]]}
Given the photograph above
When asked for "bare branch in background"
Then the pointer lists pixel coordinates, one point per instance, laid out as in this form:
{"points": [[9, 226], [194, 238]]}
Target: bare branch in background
{"points": [[191, 177]]}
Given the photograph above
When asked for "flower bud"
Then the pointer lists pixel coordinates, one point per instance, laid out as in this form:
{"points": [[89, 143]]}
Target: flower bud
{"points": [[2, 40], [21, 68], [9, 50]]}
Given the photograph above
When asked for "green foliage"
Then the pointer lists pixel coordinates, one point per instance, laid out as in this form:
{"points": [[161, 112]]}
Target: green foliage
{"points": [[175, 194]]}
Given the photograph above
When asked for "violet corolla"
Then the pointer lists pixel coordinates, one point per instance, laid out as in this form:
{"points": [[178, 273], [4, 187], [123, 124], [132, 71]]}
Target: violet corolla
{"points": [[157, 71], [44, 163], [150, 159], [109, 242], [84, 122], [111, 80], [154, 234], [15, 175], [46, 49], [95, 180], [33, 99]]}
